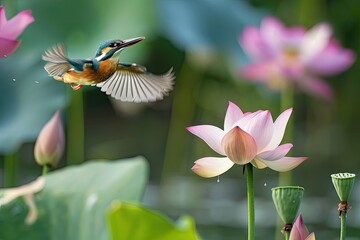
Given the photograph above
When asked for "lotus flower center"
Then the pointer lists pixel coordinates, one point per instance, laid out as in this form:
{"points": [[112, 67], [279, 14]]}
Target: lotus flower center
{"points": [[290, 55]]}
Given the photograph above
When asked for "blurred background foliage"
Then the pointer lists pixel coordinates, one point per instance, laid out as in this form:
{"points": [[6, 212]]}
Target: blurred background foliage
{"points": [[199, 39]]}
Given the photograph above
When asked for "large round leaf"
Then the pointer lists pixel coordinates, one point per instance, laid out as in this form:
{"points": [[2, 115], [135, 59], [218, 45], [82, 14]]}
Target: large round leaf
{"points": [[75, 200]]}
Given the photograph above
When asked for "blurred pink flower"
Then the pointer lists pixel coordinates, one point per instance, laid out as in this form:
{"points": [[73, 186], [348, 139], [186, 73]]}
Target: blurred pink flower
{"points": [[300, 232], [10, 30], [282, 56], [49, 146], [247, 137]]}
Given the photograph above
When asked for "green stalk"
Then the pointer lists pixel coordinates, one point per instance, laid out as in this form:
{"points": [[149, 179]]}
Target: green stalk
{"points": [[287, 235], [45, 170], [75, 129], [343, 226], [10, 168], [250, 198]]}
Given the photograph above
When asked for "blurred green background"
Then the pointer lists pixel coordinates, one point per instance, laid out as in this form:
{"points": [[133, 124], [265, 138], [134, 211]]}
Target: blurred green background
{"points": [[199, 39]]}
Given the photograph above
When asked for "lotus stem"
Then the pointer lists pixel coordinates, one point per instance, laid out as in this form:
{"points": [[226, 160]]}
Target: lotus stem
{"points": [[75, 129], [45, 169], [250, 198], [343, 226], [10, 169]]}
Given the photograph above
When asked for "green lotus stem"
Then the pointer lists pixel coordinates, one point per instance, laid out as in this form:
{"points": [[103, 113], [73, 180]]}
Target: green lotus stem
{"points": [[343, 226], [45, 169], [75, 129], [250, 198], [287, 235], [10, 167]]}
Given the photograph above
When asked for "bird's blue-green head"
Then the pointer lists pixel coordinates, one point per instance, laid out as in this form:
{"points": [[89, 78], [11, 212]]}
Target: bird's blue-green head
{"points": [[108, 48]]}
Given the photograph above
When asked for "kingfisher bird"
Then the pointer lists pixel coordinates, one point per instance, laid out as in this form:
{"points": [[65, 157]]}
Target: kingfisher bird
{"points": [[123, 81]]}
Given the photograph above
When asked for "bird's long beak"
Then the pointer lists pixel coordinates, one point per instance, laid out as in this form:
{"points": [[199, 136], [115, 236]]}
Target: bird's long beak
{"points": [[130, 42]]}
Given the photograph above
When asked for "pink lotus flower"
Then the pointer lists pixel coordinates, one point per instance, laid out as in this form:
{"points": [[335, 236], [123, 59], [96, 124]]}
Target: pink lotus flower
{"points": [[282, 56], [300, 232], [49, 146], [247, 137], [10, 30]]}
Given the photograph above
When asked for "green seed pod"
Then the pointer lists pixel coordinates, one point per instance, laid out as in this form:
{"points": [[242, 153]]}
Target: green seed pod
{"points": [[343, 183], [287, 201]]}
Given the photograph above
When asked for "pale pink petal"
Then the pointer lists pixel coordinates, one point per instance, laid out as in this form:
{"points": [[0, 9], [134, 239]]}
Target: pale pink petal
{"points": [[315, 40], [258, 164], [2, 17], [317, 87], [211, 166], [233, 114], [259, 71], [294, 36], [15, 26], [279, 129], [247, 118], [332, 60], [210, 134], [7, 47], [284, 164], [261, 129], [311, 236], [277, 153], [253, 44], [272, 31], [239, 146]]}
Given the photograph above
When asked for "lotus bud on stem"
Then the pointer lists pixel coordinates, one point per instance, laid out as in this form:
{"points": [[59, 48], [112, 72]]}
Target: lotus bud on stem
{"points": [[49, 146]]}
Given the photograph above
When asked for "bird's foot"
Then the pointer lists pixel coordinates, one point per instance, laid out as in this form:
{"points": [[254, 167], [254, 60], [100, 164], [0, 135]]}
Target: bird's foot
{"points": [[75, 86]]}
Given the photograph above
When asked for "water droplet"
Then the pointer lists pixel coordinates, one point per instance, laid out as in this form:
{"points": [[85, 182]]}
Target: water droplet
{"points": [[218, 179], [265, 184], [36, 81], [14, 79]]}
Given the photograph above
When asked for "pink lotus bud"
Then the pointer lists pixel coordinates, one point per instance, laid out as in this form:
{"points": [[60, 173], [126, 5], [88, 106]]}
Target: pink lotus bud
{"points": [[49, 146], [300, 231]]}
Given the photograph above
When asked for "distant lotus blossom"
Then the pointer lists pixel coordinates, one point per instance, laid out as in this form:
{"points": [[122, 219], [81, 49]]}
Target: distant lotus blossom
{"points": [[281, 56], [49, 146], [247, 137], [300, 232], [11, 29]]}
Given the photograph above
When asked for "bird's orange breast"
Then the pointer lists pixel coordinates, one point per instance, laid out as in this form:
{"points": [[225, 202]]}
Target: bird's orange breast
{"points": [[89, 75]]}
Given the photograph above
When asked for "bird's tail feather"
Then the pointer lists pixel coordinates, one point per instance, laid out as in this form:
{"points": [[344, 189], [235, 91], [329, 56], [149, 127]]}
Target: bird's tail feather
{"points": [[58, 63]]}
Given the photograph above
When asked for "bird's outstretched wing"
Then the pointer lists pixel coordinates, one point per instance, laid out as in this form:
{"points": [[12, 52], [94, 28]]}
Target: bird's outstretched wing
{"points": [[132, 83], [57, 61]]}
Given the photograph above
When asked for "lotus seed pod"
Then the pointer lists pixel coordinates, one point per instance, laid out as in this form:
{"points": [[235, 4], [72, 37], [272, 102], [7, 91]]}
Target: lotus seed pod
{"points": [[343, 183], [287, 201]]}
